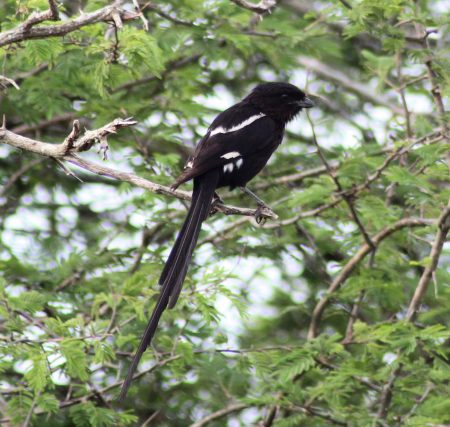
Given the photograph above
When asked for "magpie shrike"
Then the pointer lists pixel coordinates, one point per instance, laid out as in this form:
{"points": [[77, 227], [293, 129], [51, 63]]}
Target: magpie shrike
{"points": [[236, 147]]}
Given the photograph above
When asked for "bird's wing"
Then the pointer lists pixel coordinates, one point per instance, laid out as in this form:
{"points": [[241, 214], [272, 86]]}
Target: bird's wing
{"points": [[221, 144]]}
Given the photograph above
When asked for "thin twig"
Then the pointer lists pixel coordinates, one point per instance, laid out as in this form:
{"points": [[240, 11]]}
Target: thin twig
{"points": [[361, 89], [27, 420], [386, 396], [220, 414], [346, 197], [148, 421], [428, 389], [18, 174], [443, 224], [401, 91], [352, 319]]}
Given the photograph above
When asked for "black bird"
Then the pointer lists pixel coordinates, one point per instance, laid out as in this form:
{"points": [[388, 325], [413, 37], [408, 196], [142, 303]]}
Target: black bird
{"points": [[236, 147]]}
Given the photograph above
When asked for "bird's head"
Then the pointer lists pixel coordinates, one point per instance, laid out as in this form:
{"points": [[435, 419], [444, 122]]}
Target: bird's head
{"points": [[279, 100]]}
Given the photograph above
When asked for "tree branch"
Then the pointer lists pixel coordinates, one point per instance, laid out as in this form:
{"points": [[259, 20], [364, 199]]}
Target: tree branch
{"points": [[62, 118], [38, 17], [15, 176], [361, 90], [75, 143], [263, 7], [28, 30], [220, 413], [443, 228], [386, 395], [5, 81], [354, 261], [336, 181]]}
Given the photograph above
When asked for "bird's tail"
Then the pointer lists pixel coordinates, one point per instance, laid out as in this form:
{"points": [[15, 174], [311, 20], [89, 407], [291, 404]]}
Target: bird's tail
{"points": [[177, 263]]}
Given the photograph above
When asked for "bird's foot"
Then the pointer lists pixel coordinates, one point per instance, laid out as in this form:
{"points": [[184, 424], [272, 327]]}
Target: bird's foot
{"points": [[263, 212], [217, 200]]}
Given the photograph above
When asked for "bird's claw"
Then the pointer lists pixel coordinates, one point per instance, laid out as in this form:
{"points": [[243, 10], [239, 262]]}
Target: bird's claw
{"points": [[216, 201], [263, 212]]}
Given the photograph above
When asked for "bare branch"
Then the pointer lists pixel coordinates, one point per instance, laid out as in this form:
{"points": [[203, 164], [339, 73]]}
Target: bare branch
{"points": [[74, 143], [8, 81], [141, 15], [27, 420], [220, 413], [346, 197], [24, 169], [263, 7], [295, 177], [168, 16], [362, 90], [401, 91], [171, 66], [64, 117], [428, 389], [443, 228], [386, 394], [437, 96], [316, 413], [352, 319], [28, 30], [38, 17], [61, 150]]}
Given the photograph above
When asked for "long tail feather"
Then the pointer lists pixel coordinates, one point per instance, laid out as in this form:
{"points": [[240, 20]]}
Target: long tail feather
{"points": [[175, 269]]}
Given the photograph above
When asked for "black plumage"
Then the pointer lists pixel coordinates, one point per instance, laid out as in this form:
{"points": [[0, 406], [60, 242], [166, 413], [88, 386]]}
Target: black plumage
{"points": [[236, 147]]}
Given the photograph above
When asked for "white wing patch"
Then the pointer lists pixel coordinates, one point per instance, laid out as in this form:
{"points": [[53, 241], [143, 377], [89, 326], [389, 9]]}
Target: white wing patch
{"points": [[242, 125], [189, 164], [239, 162], [228, 167], [231, 155]]}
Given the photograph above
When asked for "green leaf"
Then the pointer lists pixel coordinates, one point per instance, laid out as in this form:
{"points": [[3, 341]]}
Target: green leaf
{"points": [[76, 364], [38, 375]]}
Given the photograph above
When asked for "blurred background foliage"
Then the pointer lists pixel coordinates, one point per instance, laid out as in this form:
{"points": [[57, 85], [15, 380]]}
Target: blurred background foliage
{"points": [[247, 343]]}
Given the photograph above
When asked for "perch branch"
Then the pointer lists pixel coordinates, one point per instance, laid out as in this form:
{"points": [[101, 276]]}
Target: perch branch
{"points": [[74, 143]]}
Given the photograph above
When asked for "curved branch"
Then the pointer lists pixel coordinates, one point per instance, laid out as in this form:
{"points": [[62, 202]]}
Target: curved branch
{"points": [[354, 261]]}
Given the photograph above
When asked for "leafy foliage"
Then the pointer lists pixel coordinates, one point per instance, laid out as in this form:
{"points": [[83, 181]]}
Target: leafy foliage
{"points": [[80, 259]]}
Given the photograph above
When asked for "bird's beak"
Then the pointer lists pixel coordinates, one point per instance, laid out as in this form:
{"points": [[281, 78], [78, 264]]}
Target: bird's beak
{"points": [[306, 103]]}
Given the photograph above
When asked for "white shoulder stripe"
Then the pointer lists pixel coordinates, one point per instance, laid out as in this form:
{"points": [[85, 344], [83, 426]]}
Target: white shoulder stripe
{"points": [[231, 155], [242, 125]]}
